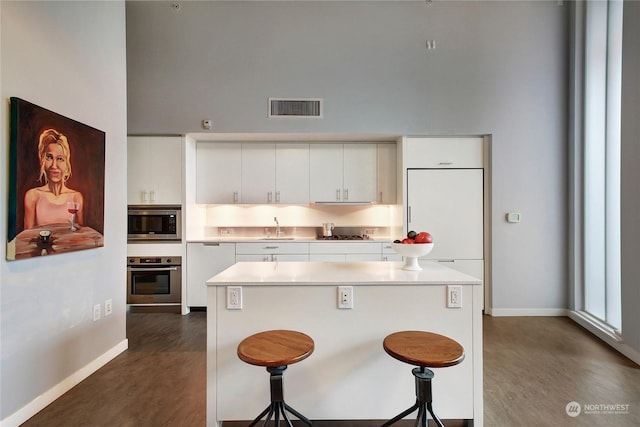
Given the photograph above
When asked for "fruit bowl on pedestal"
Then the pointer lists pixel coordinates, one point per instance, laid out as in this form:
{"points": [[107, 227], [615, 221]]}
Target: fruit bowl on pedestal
{"points": [[411, 253]]}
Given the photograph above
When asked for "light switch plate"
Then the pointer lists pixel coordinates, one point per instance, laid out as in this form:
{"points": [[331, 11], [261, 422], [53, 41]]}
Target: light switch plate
{"points": [[513, 217]]}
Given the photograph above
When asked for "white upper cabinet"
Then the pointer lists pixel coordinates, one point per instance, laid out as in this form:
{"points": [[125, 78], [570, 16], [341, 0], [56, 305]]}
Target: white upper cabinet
{"points": [[444, 153], [275, 173], [360, 172], [325, 172], [252, 173], [343, 172], [258, 173], [218, 172], [154, 170], [387, 174], [292, 174], [295, 173]]}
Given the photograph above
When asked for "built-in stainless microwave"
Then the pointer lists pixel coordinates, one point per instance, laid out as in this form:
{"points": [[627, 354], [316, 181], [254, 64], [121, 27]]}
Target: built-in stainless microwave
{"points": [[154, 223]]}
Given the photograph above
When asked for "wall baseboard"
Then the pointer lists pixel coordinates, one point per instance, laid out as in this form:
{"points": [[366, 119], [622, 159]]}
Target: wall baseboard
{"points": [[538, 312], [46, 398]]}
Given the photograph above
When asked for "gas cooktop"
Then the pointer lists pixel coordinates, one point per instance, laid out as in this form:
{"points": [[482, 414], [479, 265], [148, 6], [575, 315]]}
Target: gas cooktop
{"points": [[344, 237]]}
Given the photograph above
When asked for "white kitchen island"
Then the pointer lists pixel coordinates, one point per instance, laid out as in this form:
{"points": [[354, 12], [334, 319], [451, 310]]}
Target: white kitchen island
{"points": [[349, 376]]}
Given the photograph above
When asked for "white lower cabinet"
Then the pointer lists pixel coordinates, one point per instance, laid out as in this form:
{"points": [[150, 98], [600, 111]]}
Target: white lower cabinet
{"points": [[388, 254], [205, 260], [272, 251], [345, 251]]}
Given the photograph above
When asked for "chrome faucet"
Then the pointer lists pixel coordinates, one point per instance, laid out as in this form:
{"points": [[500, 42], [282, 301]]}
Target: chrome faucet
{"points": [[278, 232]]}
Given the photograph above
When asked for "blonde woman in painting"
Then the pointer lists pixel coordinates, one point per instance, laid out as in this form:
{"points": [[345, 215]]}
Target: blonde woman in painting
{"points": [[53, 202]]}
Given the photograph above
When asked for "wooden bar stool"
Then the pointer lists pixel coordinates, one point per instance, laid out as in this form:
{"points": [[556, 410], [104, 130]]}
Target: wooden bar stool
{"points": [[425, 350], [275, 350]]}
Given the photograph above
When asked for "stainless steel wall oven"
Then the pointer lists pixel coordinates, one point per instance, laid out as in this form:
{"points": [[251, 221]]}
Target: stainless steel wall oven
{"points": [[154, 280]]}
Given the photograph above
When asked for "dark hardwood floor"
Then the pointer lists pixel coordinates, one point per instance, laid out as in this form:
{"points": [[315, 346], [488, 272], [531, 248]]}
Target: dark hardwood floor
{"points": [[533, 368]]}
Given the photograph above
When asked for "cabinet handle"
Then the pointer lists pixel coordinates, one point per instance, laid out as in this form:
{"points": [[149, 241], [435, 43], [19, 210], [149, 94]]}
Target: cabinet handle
{"points": [[269, 197], [212, 244], [380, 197], [143, 196], [152, 196], [235, 197], [338, 194], [270, 247], [445, 163], [446, 260], [277, 197], [346, 194], [409, 219]]}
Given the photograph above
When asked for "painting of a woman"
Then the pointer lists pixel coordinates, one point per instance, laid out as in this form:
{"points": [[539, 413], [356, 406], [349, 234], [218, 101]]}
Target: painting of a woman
{"points": [[51, 202], [54, 208]]}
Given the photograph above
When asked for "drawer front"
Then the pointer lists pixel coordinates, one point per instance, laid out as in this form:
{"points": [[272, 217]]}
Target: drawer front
{"points": [[346, 248], [387, 248], [272, 248], [444, 153], [271, 257]]}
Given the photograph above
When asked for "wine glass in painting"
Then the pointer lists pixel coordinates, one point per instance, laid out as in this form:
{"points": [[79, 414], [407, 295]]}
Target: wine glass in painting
{"points": [[72, 208]]}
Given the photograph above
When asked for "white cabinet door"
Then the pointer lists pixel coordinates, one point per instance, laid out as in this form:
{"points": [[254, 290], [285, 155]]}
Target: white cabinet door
{"points": [[388, 254], [154, 170], [138, 164], [325, 172], [218, 172], [258, 173], [448, 203], [204, 260], [451, 152], [343, 172], [360, 173], [271, 257], [292, 174], [272, 251], [387, 174], [345, 251]]}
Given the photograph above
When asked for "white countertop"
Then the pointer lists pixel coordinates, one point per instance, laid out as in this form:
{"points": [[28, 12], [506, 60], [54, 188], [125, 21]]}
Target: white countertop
{"points": [[332, 273], [284, 240]]}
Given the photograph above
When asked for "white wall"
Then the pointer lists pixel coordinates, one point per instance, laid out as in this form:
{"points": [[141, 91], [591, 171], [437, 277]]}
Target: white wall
{"points": [[68, 57], [499, 68]]}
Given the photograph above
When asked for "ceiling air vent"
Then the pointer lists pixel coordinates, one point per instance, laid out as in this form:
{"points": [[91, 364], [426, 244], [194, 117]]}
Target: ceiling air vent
{"points": [[281, 107]]}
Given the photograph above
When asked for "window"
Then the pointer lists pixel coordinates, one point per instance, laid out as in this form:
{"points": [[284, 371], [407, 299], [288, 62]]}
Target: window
{"points": [[598, 283]]}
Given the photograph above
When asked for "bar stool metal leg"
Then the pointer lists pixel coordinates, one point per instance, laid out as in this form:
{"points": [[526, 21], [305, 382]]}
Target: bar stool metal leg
{"points": [[423, 400], [278, 405]]}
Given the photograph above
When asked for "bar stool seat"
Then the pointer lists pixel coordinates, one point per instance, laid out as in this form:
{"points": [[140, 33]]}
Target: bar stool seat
{"points": [[275, 350], [424, 350]]}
